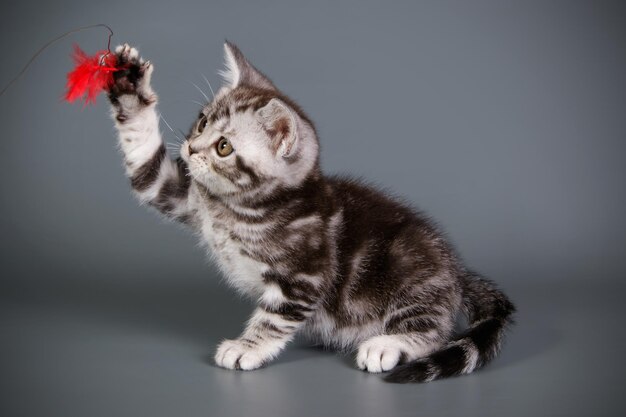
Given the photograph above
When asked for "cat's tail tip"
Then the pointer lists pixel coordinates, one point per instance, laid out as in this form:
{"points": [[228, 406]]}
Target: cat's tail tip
{"points": [[458, 358]]}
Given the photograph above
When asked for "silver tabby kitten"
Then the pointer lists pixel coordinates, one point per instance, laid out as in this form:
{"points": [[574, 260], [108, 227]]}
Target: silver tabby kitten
{"points": [[342, 262]]}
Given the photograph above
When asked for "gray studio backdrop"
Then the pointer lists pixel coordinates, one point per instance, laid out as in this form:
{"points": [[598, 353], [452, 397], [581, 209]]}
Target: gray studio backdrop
{"points": [[503, 120]]}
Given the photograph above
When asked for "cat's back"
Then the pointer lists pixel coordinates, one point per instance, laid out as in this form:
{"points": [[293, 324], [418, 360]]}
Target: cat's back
{"points": [[385, 231], [372, 210]]}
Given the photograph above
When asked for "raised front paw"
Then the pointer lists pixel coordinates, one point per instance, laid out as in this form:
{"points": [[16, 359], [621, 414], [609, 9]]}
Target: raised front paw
{"points": [[241, 354], [134, 78]]}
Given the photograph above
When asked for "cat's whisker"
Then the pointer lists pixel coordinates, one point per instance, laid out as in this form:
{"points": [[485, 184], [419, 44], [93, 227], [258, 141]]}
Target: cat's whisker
{"points": [[201, 92], [198, 103], [209, 84], [170, 127]]}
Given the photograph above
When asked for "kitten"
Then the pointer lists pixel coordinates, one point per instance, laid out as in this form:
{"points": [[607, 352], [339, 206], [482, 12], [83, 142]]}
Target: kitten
{"points": [[337, 260]]}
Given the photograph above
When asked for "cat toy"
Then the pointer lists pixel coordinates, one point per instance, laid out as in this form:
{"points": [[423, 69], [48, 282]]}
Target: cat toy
{"points": [[91, 74]]}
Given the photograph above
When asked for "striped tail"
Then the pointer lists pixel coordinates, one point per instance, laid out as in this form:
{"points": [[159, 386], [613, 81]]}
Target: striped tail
{"points": [[489, 312]]}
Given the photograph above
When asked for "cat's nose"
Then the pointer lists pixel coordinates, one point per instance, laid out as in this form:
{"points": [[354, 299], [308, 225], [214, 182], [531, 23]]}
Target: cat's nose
{"points": [[191, 149]]}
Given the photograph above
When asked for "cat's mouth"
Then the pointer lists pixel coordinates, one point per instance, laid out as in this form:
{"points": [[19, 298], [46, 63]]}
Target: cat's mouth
{"points": [[184, 151]]}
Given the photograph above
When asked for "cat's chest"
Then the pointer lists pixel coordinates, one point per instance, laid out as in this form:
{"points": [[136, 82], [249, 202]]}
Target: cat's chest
{"points": [[231, 254]]}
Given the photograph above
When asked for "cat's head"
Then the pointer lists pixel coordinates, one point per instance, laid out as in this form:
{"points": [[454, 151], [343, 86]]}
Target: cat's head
{"points": [[251, 138]]}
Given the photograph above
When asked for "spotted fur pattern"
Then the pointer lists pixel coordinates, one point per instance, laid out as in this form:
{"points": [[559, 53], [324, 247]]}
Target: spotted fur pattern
{"points": [[330, 257]]}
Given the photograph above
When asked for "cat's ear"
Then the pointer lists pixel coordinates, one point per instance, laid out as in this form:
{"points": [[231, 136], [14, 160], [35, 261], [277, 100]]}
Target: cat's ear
{"points": [[239, 71], [281, 124]]}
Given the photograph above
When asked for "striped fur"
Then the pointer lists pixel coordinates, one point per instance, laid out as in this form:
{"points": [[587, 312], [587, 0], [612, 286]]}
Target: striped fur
{"points": [[339, 261]]}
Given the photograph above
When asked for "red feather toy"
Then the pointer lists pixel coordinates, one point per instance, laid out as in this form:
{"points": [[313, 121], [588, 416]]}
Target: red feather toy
{"points": [[91, 75]]}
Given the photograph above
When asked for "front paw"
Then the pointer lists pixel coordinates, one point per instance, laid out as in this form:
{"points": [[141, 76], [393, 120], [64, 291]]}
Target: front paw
{"points": [[240, 354], [134, 78]]}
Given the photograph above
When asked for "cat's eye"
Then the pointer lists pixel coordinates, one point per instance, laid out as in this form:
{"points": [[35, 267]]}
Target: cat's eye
{"points": [[202, 123], [223, 147]]}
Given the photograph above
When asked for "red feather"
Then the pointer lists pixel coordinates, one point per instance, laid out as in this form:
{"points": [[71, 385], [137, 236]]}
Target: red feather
{"points": [[90, 76]]}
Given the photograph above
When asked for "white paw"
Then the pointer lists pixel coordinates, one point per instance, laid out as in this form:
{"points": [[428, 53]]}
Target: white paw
{"points": [[235, 354], [379, 354], [135, 76]]}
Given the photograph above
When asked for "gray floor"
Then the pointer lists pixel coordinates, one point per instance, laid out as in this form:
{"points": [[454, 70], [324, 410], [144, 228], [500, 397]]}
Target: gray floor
{"points": [[133, 349]]}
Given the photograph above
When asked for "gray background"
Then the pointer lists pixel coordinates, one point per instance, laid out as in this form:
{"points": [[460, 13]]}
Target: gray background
{"points": [[503, 120]]}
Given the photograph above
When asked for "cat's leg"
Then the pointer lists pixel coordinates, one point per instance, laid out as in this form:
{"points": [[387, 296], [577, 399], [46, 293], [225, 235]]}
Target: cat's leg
{"points": [[407, 336], [156, 180], [281, 313]]}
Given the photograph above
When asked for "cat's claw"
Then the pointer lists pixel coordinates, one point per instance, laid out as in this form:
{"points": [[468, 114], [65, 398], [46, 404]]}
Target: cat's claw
{"points": [[128, 54], [236, 354]]}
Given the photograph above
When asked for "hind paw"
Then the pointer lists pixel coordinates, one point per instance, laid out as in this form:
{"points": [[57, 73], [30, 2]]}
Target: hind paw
{"points": [[379, 354]]}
